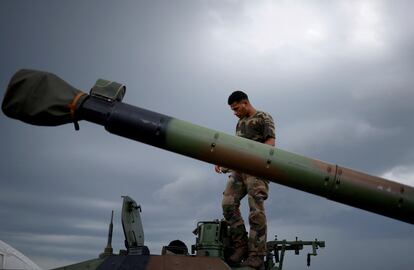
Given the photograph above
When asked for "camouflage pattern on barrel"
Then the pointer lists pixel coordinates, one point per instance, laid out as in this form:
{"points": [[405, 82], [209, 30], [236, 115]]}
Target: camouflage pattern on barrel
{"points": [[41, 98]]}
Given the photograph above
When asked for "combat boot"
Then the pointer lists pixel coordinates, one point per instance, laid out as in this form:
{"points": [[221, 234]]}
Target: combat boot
{"points": [[254, 261], [239, 241]]}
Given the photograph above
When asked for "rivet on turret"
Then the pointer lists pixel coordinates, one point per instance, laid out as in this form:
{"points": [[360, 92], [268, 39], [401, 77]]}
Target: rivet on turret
{"points": [[158, 129], [216, 135], [268, 163], [212, 146]]}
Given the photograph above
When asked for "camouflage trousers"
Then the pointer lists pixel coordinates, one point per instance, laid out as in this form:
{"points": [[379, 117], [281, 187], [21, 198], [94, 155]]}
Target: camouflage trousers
{"points": [[238, 186]]}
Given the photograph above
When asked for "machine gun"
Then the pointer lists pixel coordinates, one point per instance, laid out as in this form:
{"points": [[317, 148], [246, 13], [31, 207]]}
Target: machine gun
{"points": [[276, 251]]}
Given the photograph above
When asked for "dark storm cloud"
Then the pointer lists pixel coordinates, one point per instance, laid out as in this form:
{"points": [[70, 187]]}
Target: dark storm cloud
{"points": [[336, 76]]}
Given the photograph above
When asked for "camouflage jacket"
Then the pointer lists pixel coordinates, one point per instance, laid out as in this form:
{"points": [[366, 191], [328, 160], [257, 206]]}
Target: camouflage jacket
{"points": [[258, 127]]}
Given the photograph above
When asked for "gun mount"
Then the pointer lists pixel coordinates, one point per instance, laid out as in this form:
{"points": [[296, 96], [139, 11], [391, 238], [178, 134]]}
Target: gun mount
{"points": [[276, 251]]}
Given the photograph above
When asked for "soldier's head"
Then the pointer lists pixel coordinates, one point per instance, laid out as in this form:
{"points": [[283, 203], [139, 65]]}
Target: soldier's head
{"points": [[239, 104]]}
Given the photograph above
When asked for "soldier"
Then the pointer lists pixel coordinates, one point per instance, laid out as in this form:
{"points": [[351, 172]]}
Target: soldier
{"points": [[258, 126]]}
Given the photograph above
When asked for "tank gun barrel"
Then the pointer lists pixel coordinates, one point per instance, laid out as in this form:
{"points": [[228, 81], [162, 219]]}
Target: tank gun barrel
{"points": [[334, 182], [328, 180]]}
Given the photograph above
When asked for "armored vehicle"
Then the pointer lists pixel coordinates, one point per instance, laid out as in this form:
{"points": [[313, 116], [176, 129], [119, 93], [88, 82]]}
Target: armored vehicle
{"points": [[209, 251], [42, 98]]}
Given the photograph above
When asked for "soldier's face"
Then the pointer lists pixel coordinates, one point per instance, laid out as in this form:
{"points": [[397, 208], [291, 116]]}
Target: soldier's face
{"points": [[239, 108]]}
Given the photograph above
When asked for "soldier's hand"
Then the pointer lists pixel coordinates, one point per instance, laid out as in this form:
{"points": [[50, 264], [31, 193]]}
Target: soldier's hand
{"points": [[218, 169]]}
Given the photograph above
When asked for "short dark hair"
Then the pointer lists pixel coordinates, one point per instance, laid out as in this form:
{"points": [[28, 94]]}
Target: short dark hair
{"points": [[237, 96]]}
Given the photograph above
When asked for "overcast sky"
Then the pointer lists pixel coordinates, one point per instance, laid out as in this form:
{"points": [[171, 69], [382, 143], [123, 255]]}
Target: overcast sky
{"points": [[337, 76]]}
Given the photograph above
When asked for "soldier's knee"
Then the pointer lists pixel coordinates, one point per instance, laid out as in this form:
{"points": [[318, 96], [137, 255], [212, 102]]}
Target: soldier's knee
{"points": [[257, 219], [231, 213], [228, 211], [227, 200], [258, 191]]}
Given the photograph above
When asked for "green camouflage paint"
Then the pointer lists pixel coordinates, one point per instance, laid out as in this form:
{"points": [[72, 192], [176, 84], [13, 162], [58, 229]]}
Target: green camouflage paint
{"points": [[336, 183]]}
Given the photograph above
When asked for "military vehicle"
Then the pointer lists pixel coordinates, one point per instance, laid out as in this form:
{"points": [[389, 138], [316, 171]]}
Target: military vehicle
{"points": [[42, 98], [209, 251]]}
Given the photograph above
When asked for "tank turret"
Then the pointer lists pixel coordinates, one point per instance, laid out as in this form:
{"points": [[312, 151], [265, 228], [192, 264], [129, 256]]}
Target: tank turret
{"points": [[42, 98]]}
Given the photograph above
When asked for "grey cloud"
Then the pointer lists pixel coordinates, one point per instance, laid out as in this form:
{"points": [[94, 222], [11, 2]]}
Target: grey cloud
{"points": [[332, 99]]}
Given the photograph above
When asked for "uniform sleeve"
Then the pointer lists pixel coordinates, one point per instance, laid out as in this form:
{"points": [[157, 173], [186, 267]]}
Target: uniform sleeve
{"points": [[268, 126]]}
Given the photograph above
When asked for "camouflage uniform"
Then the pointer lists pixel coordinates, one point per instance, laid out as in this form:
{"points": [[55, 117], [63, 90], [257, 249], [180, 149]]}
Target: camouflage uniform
{"points": [[258, 127]]}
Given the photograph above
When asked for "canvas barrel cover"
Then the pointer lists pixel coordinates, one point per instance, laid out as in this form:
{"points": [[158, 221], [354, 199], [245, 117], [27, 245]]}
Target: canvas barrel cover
{"points": [[41, 98]]}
